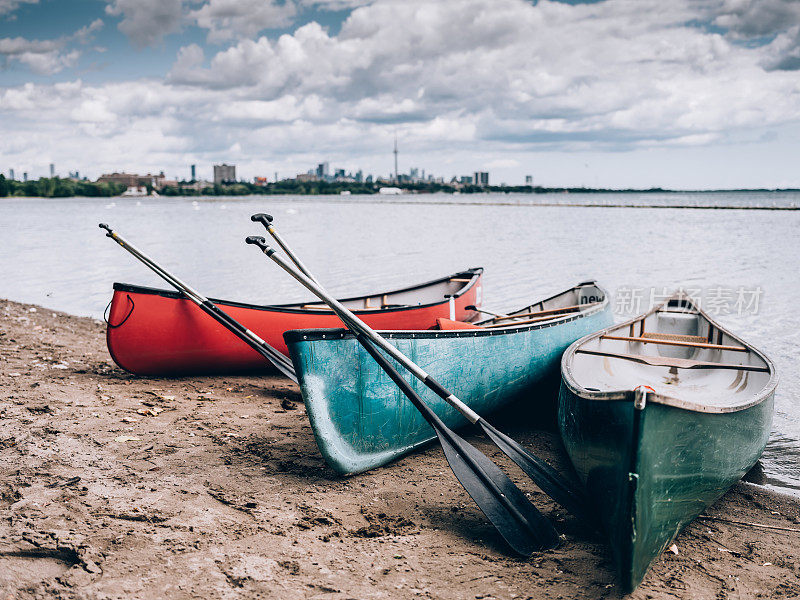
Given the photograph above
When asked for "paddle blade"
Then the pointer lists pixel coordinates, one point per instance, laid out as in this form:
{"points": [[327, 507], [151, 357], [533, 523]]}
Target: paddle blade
{"points": [[523, 527], [550, 481]]}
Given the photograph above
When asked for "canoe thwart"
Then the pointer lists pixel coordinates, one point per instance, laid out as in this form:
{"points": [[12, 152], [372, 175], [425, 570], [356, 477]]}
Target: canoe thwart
{"points": [[527, 321], [551, 311], [668, 361], [648, 338]]}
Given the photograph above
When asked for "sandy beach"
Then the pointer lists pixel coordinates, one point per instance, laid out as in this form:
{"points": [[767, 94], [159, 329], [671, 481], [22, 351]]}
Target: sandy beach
{"points": [[117, 486]]}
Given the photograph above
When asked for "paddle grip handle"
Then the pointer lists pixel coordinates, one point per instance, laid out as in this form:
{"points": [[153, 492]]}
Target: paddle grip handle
{"points": [[263, 218], [259, 241], [106, 227]]}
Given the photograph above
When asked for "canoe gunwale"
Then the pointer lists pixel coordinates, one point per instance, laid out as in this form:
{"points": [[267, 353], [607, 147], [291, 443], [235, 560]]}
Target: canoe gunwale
{"points": [[474, 274], [297, 335], [568, 378]]}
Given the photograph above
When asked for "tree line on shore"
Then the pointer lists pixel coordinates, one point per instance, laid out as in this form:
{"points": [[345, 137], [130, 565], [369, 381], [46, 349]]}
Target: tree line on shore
{"points": [[57, 187]]}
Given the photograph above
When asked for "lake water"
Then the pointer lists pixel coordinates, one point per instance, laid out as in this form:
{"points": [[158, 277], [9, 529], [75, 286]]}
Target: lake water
{"points": [[742, 263]]}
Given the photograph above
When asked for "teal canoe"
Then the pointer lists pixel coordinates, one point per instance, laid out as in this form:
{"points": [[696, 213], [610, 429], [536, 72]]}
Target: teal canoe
{"points": [[360, 418], [660, 416]]}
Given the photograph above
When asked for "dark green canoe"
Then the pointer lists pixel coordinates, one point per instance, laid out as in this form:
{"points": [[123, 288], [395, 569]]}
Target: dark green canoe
{"points": [[362, 420], [660, 416]]}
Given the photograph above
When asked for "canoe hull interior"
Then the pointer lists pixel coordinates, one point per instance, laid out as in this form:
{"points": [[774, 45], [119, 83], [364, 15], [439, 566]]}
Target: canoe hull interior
{"points": [[158, 332], [361, 420], [649, 485], [705, 400]]}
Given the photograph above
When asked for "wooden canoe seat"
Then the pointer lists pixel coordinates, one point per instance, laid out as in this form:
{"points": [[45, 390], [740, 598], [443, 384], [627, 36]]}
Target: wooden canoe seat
{"points": [[647, 338], [460, 279], [675, 337], [669, 361], [526, 321], [549, 311]]}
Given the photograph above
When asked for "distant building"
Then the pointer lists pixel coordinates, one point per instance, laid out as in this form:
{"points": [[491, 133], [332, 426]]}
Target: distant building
{"points": [[224, 174], [11, 174], [132, 179], [528, 179], [194, 172], [52, 170], [359, 176], [260, 181], [323, 170], [307, 177], [466, 180], [24, 176], [339, 174], [481, 178]]}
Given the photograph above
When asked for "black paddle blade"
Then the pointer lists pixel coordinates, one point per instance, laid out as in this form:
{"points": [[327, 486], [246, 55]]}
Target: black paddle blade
{"points": [[523, 527], [506, 507], [550, 481]]}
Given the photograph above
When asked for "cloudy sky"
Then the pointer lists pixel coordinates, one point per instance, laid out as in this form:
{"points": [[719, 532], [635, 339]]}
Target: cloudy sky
{"points": [[616, 93]]}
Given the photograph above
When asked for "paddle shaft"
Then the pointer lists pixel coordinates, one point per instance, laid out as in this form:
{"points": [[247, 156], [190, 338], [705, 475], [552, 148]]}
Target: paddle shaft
{"points": [[253, 340], [266, 220], [357, 325], [473, 469], [547, 478], [441, 429], [485, 311]]}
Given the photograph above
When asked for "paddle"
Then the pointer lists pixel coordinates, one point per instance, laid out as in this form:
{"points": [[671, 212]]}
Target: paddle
{"points": [[485, 311], [523, 527], [515, 518], [548, 479], [280, 361]]}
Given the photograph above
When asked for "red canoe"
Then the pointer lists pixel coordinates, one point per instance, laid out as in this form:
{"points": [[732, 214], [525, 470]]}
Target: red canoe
{"points": [[159, 332]]}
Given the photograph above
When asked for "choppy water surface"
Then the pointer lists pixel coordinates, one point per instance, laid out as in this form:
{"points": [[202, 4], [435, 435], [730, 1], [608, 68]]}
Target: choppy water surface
{"points": [[52, 253]]}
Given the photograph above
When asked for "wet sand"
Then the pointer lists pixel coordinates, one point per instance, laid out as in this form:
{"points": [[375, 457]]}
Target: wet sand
{"points": [[114, 486]]}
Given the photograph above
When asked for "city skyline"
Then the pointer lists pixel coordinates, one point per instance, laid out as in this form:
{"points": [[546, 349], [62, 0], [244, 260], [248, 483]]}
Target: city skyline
{"points": [[226, 173], [684, 95]]}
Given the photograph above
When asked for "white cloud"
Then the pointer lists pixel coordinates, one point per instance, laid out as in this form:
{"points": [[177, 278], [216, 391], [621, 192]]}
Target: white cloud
{"points": [[756, 18], [9, 6], [456, 78], [84, 34], [226, 19], [47, 57], [751, 21], [146, 22], [504, 70], [335, 5], [502, 163]]}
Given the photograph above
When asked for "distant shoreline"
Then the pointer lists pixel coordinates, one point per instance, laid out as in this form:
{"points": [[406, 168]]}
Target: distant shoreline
{"points": [[56, 187], [440, 200], [396, 200]]}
